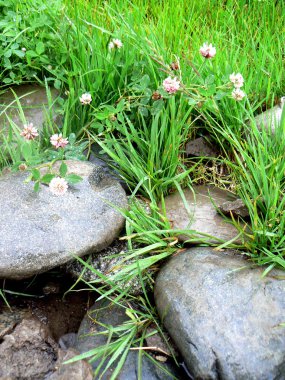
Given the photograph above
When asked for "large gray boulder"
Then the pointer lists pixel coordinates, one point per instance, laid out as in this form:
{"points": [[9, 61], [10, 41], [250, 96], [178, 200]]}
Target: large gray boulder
{"points": [[39, 231], [225, 318], [200, 214]]}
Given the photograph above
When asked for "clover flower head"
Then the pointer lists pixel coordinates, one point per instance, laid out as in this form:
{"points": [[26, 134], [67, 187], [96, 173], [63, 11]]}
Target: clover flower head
{"points": [[85, 98], [58, 186], [238, 94], [58, 141], [175, 65], [22, 167], [29, 132], [115, 43], [237, 80], [171, 85], [156, 95], [207, 50], [111, 45]]}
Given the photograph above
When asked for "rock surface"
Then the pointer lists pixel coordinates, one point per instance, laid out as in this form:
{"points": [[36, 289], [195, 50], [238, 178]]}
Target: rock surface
{"points": [[200, 147], [271, 118], [40, 231], [67, 341], [107, 314], [79, 370], [9, 318], [223, 316], [28, 353], [203, 216], [34, 102], [235, 208], [105, 162]]}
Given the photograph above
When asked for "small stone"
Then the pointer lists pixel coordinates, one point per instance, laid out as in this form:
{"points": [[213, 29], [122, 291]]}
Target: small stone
{"points": [[104, 161], [67, 341], [225, 318], [79, 370], [51, 288], [235, 208], [200, 147], [155, 341]]}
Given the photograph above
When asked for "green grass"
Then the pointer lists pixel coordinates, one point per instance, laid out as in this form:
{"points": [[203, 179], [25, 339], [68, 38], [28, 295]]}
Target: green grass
{"points": [[150, 157], [259, 171]]}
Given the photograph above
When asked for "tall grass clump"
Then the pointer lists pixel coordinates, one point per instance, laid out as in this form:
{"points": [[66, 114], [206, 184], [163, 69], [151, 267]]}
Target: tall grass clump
{"points": [[259, 169], [149, 154]]}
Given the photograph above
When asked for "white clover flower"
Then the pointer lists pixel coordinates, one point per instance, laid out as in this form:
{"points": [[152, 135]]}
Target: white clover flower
{"points": [[171, 85], [58, 186], [85, 98], [237, 80], [238, 94], [29, 132], [208, 50], [115, 43], [58, 141], [111, 45]]}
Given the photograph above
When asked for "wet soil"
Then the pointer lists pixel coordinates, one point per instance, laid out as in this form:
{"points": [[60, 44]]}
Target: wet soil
{"points": [[48, 298]]}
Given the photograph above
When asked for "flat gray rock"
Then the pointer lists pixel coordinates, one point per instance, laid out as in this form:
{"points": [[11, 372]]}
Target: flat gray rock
{"points": [[202, 216], [40, 231], [34, 102], [225, 319]]}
